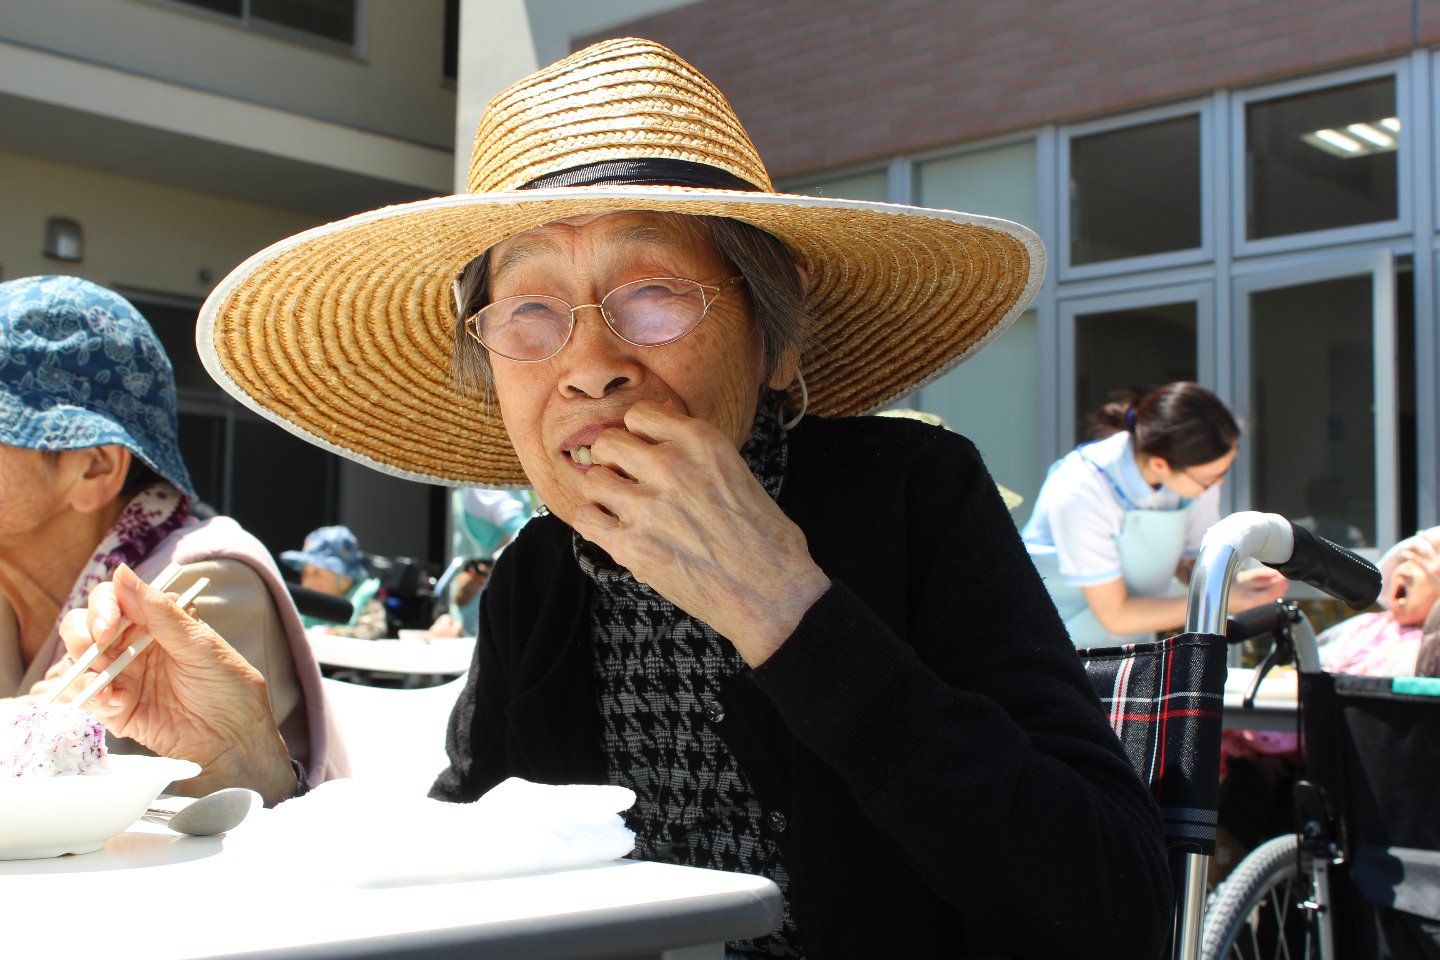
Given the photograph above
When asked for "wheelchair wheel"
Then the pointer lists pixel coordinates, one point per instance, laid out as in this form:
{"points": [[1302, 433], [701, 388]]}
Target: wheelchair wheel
{"points": [[1255, 914]]}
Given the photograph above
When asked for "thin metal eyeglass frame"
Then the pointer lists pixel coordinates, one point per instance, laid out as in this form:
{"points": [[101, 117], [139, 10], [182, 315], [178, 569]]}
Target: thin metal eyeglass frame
{"points": [[471, 321], [1201, 483]]}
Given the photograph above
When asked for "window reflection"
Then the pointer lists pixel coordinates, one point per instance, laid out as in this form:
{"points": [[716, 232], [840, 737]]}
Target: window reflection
{"points": [[1134, 349], [1136, 191], [1322, 159], [1312, 400]]}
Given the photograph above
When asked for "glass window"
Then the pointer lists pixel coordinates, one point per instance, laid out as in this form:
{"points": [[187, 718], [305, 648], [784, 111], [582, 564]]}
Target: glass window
{"points": [[334, 19], [450, 59], [267, 457], [1135, 191], [173, 321], [331, 19], [873, 185], [1135, 349], [202, 446], [997, 182], [1313, 402], [1322, 159]]}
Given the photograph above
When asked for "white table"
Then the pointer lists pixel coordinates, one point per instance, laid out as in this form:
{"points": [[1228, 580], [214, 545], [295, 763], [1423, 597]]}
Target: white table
{"points": [[1274, 707], [155, 895], [446, 656]]}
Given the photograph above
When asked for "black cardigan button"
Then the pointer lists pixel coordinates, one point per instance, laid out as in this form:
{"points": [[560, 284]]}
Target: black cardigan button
{"points": [[778, 823]]}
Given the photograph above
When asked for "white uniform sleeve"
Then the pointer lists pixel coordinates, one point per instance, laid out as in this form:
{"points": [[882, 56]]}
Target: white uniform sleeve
{"points": [[1085, 520]]}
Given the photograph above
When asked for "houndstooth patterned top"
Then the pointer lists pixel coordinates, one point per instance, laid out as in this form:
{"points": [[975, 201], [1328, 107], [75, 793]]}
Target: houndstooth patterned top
{"points": [[659, 672]]}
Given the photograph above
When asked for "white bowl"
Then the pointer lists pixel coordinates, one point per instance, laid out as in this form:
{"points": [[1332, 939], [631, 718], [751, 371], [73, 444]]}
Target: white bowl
{"points": [[50, 816]]}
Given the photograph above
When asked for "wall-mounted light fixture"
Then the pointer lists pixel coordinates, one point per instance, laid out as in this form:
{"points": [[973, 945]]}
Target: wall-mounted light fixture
{"points": [[63, 239]]}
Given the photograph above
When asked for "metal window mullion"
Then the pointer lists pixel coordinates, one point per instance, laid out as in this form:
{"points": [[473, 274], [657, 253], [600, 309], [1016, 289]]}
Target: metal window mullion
{"points": [[1422, 144]]}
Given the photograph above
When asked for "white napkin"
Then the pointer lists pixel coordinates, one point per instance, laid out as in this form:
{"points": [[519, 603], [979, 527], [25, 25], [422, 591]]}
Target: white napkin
{"points": [[368, 835]]}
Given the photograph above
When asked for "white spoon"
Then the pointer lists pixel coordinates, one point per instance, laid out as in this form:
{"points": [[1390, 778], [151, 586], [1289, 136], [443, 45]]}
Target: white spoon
{"points": [[220, 811]]}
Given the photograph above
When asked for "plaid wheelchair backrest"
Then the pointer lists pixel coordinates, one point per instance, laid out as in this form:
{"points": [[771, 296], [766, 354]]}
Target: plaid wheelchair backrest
{"points": [[1165, 702]]}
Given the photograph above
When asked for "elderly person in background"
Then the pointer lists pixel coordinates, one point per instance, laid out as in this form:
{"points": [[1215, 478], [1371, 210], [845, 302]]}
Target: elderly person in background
{"points": [[811, 643], [331, 562], [91, 477]]}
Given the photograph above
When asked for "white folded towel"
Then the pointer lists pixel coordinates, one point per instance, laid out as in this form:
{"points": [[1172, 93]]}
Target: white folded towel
{"points": [[368, 835]]}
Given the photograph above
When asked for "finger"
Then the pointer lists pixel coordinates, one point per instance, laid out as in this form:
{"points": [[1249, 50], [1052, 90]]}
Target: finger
{"points": [[103, 614], [597, 525], [153, 611], [75, 633], [624, 453], [659, 422]]}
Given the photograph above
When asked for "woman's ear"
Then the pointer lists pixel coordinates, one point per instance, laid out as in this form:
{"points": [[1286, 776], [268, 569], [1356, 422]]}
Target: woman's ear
{"points": [[1159, 468], [99, 474]]}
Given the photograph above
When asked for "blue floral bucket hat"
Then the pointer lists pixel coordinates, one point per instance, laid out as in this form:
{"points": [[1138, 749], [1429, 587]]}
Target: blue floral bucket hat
{"points": [[330, 548], [80, 367]]}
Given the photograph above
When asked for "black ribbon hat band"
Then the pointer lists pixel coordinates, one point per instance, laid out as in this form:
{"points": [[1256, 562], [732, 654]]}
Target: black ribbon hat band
{"points": [[644, 172]]}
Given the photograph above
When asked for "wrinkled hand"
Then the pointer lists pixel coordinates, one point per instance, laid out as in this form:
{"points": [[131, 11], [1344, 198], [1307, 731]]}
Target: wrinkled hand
{"points": [[446, 626], [672, 501], [188, 695], [1256, 587]]}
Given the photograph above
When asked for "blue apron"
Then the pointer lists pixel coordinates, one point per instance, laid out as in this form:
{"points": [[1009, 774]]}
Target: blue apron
{"points": [[1151, 545]]}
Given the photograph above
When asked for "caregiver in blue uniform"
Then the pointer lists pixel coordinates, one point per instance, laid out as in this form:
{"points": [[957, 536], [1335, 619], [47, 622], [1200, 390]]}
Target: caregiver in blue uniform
{"points": [[1118, 521]]}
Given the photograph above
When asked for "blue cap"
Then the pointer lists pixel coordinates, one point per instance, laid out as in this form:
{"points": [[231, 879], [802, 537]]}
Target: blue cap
{"points": [[330, 548], [80, 367]]}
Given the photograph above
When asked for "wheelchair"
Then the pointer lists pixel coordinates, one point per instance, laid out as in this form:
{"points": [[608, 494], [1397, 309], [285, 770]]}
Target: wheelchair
{"points": [[1165, 699], [1360, 875]]}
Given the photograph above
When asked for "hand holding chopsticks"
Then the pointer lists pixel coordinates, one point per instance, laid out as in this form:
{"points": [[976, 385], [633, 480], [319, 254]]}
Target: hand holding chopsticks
{"points": [[83, 662]]}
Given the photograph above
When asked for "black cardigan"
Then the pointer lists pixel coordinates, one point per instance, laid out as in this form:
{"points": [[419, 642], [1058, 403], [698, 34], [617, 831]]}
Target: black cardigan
{"points": [[944, 779]]}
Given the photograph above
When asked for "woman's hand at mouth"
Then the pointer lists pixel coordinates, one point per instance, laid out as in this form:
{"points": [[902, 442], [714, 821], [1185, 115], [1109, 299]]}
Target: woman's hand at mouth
{"points": [[672, 501]]}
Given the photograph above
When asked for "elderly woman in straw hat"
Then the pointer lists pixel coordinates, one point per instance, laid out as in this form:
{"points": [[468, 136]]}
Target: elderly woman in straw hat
{"points": [[91, 477], [811, 642]]}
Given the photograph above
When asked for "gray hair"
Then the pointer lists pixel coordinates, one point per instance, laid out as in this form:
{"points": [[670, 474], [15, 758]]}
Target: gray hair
{"points": [[771, 281]]}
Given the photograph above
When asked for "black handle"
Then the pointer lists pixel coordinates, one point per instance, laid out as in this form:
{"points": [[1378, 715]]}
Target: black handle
{"points": [[321, 606], [1331, 568], [1258, 621]]}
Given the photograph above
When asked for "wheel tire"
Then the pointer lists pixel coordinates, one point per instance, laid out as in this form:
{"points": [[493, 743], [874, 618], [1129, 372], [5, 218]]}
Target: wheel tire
{"points": [[1255, 915]]}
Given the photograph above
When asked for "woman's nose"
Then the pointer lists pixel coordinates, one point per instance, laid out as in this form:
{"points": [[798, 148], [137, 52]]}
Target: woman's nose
{"points": [[595, 361]]}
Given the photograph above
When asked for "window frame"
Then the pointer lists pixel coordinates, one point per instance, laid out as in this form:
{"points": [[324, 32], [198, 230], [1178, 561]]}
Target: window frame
{"points": [[1204, 253], [278, 31], [1379, 263], [1201, 292], [1403, 223]]}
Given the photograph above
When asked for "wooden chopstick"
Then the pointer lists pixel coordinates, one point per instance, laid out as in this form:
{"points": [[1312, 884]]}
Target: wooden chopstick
{"points": [[161, 582], [125, 659]]}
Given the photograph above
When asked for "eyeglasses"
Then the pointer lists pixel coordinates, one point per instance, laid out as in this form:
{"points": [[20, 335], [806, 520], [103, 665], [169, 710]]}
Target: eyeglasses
{"points": [[1201, 483], [646, 313]]}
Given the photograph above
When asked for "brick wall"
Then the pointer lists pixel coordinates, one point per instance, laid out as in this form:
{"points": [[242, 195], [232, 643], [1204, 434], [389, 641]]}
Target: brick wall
{"points": [[821, 83]]}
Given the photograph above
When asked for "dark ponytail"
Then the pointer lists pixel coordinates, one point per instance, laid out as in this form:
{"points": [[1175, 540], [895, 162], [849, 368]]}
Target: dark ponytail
{"points": [[1183, 423]]}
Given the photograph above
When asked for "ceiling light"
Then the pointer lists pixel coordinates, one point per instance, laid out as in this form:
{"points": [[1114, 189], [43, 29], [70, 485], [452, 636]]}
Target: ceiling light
{"points": [[1360, 139], [1372, 135]]}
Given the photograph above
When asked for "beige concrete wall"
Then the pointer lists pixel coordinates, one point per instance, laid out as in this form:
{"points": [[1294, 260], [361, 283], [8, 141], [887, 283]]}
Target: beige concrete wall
{"points": [[137, 234], [393, 86]]}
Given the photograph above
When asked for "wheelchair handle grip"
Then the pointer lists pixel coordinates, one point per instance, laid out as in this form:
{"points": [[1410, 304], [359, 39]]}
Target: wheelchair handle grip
{"points": [[1258, 621], [1331, 568], [320, 606]]}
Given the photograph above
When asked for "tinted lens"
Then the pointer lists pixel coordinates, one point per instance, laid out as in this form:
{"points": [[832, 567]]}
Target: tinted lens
{"points": [[655, 311], [524, 328]]}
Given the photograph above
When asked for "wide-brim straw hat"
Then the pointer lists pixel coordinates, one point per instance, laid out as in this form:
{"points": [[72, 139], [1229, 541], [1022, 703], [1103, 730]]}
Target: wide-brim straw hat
{"points": [[343, 334]]}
